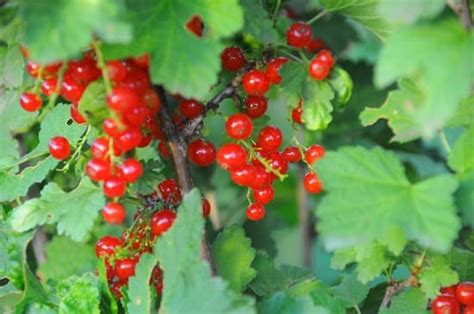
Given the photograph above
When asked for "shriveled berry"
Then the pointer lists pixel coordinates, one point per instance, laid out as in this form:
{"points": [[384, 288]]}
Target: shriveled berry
{"points": [[195, 26]]}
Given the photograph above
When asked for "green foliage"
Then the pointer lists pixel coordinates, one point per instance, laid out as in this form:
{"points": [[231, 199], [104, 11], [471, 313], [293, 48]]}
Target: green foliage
{"points": [[139, 291], [92, 104], [11, 67], [463, 262], [437, 275], [396, 11], [410, 301], [151, 177], [281, 302], [257, 23], [79, 295], [461, 158], [350, 291]]}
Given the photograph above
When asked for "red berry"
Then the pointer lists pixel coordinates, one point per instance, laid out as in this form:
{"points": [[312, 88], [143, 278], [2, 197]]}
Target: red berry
{"points": [[48, 87], [465, 293], [278, 163], [100, 148], [262, 178], [232, 59], [273, 69], [83, 71], [170, 191], [313, 153], [98, 169], [264, 195], [136, 80], [325, 56], [255, 106], [195, 26], [292, 154], [451, 290], [469, 310], [106, 246], [117, 70], [231, 156], [113, 213], [244, 175], [190, 108], [444, 304], [255, 212], [125, 268], [116, 288], [161, 221], [33, 68], [59, 147], [110, 127], [297, 113], [76, 115], [299, 35], [270, 138], [206, 208], [30, 102], [316, 44], [131, 170], [129, 139], [122, 99], [114, 187], [239, 126], [312, 183], [163, 148], [136, 116], [71, 90], [201, 153], [152, 101], [255, 83], [142, 61], [318, 70]]}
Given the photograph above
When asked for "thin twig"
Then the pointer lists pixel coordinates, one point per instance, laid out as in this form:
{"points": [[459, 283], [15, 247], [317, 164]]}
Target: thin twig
{"points": [[395, 287], [462, 9]]}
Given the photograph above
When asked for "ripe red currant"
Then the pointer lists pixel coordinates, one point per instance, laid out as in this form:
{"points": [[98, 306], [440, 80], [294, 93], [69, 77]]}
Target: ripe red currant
{"points": [[142, 61], [206, 208], [255, 212], [201, 153], [231, 156], [255, 83], [292, 154], [297, 113], [83, 71], [136, 116], [232, 59], [30, 102], [264, 195], [316, 44], [239, 126], [255, 106], [273, 69], [122, 99], [114, 187], [117, 70], [244, 175], [136, 80], [313, 153], [190, 108], [161, 221], [163, 148], [132, 169], [59, 147], [76, 115], [445, 304], [170, 191], [110, 127], [451, 290], [129, 139], [469, 310], [278, 162], [299, 35], [270, 138], [100, 148], [195, 26], [125, 268], [71, 90], [106, 246], [318, 70], [113, 213], [262, 178], [312, 183], [98, 169], [325, 56], [33, 68], [465, 293], [152, 101], [48, 87]]}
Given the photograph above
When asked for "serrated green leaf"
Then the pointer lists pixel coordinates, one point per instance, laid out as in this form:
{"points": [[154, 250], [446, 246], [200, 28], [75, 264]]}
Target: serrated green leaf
{"points": [[465, 198], [464, 115], [139, 291], [74, 258], [257, 22], [74, 212], [79, 295], [463, 262], [11, 67], [461, 158], [342, 85], [233, 255], [350, 291], [408, 13], [410, 301], [293, 76], [92, 104], [322, 296], [33, 292], [186, 276], [437, 275], [317, 107], [151, 177], [396, 208], [50, 38], [281, 302]]}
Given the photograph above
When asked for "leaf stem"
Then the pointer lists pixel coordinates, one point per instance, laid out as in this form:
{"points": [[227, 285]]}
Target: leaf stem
{"points": [[79, 147], [264, 162], [275, 12], [444, 141], [316, 17], [102, 65]]}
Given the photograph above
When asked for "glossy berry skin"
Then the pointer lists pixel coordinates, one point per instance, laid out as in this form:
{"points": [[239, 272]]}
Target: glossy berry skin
{"points": [[273, 69], [262, 178], [255, 212], [255, 83], [59, 147], [100, 148], [114, 187], [136, 80], [48, 87], [98, 169], [255, 106], [190, 108], [325, 56], [318, 70], [122, 99], [445, 304], [316, 44], [110, 127], [451, 291], [239, 126], [33, 68], [465, 293], [232, 59], [30, 102], [76, 115], [313, 153], [201, 153], [125, 268], [131, 169], [269, 138], [206, 208], [297, 114], [152, 101], [129, 139], [163, 149], [469, 310], [71, 90], [231, 156], [113, 213], [169, 190], [195, 26], [299, 35], [292, 154], [142, 61], [278, 163], [83, 71], [161, 221], [312, 184], [264, 195], [106, 246], [244, 175], [117, 70]]}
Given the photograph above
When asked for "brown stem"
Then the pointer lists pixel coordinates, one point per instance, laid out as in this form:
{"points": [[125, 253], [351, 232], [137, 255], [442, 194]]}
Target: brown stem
{"points": [[462, 9], [395, 287], [178, 147]]}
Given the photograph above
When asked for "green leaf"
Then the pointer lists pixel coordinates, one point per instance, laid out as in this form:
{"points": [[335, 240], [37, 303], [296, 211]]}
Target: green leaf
{"points": [[317, 107], [233, 255], [79, 295], [186, 276], [463, 262], [322, 296], [50, 38], [408, 13], [342, 85], [33, 292], [350, 291], [293, 76], [11, 67], [410, 301], [461, 158], [139, 291], [74, 212], [396, 210], [281, 302], [151, 177], [437, 275], [92, 104], [364, 12], [464, 115], [74, 258], [257, 22], [465, 198]]}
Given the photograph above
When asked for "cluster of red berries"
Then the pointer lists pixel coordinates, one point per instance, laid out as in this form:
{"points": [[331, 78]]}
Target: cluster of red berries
{"points": [[455, 299]]}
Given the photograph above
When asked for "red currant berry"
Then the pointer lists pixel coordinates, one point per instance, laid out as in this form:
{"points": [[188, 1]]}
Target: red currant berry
{"points": [[232, 59], [278, 163], [255, 106], [110, 127], [48, 87], [33, 68], [316, 44], [292, 154], [206, 208], [163, 148], [231, 156], [465, 293], [83, 71], [136, 116], [122, 99], [195, 26], [100, 148], [113, 213], [161, 221], [125, 268], [136, 80], [106, 246], [152, 101], [273, 69], [114, 187], [76, 115], [469, 310], [59, 147], [30, 102], [318, 70], [129, 139], [98, 169], [255, 83], [297, 113], [170, 191], [325, 56], [131, 170], [142, 61], [244, 175], [239, 126], [299, 35], [444, 304], [312, 184], [201, 153], [313, 153], [262, 178], [255, 212], [190, 108], [270, 138], [51, 70], [117, 70], [264, 195], [71, 90], [451, 291]]}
